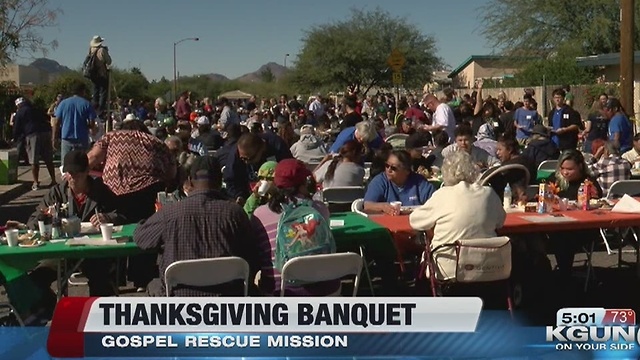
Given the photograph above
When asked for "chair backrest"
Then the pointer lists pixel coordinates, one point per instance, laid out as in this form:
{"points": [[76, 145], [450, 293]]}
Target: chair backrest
{"points": [[358, 207], [397, 140], [317, 268], [342, 194], [548, 165], [312, 165], [500, 171], [622, 187], [532, 192], [207, 272]]}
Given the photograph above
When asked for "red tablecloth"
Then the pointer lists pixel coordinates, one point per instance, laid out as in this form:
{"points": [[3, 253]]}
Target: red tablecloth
{"points": [[516, 223]]}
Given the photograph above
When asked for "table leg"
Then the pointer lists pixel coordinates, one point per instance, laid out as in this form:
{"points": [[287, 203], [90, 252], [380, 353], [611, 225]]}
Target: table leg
{"points": [[117, 283]]}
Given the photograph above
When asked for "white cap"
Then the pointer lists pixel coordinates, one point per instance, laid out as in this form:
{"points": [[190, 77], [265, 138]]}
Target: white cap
{"points": [[130, 117], [20, 100], [202, 120]]}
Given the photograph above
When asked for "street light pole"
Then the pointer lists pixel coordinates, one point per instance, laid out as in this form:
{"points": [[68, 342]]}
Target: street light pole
{"points": [[285, 60], [175, 71]]}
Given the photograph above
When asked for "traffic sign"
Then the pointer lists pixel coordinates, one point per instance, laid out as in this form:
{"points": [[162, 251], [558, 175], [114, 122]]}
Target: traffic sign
{"points": [[396, 60], [397, 78]]}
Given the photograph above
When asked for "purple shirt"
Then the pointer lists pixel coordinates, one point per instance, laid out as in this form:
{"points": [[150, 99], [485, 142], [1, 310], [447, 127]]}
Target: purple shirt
{"points": [[265, 226]]}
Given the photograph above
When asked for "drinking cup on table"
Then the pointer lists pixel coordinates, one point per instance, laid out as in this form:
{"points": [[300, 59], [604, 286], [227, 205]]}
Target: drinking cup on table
{"points": [[45, 230], [107, 231], [397, 205], [12, 237]]}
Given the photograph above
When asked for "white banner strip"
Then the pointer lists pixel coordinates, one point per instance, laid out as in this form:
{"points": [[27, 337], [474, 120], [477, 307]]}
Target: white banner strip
{"points": [[282, 315]]}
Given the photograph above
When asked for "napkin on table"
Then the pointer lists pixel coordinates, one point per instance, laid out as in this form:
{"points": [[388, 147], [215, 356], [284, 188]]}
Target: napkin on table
{"points": [[627, 204]]}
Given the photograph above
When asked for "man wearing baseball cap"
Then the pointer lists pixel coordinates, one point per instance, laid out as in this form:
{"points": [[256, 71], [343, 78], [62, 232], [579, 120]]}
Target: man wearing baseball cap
{"points": [[210, 139], [35, 128]]}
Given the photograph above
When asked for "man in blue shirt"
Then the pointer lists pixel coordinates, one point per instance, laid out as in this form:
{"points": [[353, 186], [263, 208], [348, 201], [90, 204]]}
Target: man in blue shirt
{"points": [[565, 121], [397, 183], [620, 132], [76, 116], [525, 118]]}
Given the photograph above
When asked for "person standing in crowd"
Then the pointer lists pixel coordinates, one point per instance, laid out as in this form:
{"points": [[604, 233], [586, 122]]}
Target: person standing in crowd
{"points": [[249, 153], [211, 140], [596, 125], [35, 128], [75, 115], [137, 167], [100, 78], [565, 122], [620, 131], [525, 118], [316, 107], [183, 107], [228, 114], [203, 225], [351, 118], [443, 117]]}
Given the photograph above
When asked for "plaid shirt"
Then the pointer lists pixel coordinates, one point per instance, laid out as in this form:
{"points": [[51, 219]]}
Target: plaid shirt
{"points": [[203, 225], [609, 170]]}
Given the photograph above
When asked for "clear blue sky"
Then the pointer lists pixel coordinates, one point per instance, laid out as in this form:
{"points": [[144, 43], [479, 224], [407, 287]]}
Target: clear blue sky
{"points": [[238, 37]]}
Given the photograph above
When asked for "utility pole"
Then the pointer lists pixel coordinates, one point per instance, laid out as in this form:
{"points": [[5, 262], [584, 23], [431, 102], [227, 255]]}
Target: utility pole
{"points": [[627, 28]]}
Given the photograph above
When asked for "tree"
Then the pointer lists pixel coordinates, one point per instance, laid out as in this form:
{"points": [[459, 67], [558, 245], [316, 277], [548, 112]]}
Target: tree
{"points": [[354, 52], [267, 75], [542, 27], [20, 21]]}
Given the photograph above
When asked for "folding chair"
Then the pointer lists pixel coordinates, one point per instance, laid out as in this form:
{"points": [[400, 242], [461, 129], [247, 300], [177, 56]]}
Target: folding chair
{"points": [[457, 267], [207, 272], [617, 190], [548, 165], [340, 198], [12, 311], [486, 177], [317, 268], [532, 192], [397, 141], [312, 165]]}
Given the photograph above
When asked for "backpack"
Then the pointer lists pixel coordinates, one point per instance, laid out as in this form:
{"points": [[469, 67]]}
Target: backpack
{"points": [[302, 230], [89, 66]]}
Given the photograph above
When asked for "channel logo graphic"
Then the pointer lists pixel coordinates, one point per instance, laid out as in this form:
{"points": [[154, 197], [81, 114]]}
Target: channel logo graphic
{"points": [[594, 329]]}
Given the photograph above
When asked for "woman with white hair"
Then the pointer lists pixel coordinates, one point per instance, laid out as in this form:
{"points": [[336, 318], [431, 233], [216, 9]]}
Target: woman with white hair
{"points": [[480, 216], [364, 131]]}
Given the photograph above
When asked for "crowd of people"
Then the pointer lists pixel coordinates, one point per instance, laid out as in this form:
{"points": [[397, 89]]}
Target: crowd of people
{"points": [[234, 164]]}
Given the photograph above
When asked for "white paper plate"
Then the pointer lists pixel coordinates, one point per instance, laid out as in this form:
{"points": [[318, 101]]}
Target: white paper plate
{"points": [[35, 244]]}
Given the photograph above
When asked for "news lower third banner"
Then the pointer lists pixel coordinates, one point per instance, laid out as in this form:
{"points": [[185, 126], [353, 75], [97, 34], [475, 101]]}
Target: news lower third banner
{"points": [[303, 327]]}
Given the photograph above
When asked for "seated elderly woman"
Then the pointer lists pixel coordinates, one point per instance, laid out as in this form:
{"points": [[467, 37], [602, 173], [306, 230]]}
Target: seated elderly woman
{"points": [[397, 183], [364, 132], [480, 216]]}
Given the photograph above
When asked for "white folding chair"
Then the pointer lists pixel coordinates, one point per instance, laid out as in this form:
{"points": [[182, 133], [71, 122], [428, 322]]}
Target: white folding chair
{"points": [[397, 140], [317, 268], [617, 190], [548, 165], [342, 196], [207, 272], [358, 207], [488, 175]]}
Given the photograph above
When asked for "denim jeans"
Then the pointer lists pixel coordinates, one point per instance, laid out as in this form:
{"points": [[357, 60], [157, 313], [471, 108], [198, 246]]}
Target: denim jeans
{"points": [[67, 146], [100, 93]]}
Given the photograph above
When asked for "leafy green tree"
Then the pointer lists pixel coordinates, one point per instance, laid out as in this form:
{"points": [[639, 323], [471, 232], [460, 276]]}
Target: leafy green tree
{"points": [[20, 23], [128, 84], [44, 95], [542, 27], [353, 53]]}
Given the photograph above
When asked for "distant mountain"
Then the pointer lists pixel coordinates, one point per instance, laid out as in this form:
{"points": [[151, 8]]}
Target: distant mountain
{"points": [[50, 66], [217, 77], [277, 70]]}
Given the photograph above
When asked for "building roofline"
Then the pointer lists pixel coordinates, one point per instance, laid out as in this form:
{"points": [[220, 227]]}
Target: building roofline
{"points": [[472, 58], [604, 59]]}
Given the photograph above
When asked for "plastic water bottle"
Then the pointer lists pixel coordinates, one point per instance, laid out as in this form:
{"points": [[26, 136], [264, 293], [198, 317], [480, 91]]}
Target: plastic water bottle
{"points": [[506, 200]]}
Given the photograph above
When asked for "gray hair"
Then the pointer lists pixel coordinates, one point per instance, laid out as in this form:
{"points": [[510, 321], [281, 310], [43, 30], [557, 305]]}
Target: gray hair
{"points": [[366, 131], [459, 167], [173, 139], [161, 102]]}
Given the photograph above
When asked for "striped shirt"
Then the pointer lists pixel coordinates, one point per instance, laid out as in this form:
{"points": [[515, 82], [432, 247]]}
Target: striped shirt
{"points": [[265, 226]]}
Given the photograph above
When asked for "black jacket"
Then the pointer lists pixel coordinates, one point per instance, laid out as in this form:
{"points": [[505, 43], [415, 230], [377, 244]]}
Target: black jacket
{"points": [[569, 117], [99, 197], [30, 121], [541, 150]]}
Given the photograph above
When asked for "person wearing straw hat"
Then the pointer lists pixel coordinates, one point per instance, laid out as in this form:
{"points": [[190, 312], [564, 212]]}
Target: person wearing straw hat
{"points": [[100, 78]]}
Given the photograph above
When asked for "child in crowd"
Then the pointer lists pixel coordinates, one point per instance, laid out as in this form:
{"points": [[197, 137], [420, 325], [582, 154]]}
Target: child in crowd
{"points": [[261, 193]]}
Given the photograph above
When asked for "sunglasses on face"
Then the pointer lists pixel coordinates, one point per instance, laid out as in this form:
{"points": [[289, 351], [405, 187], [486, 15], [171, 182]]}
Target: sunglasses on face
{"points": [[391, 167]]}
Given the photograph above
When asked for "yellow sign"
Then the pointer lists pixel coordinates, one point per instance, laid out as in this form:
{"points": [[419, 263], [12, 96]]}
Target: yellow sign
{"points": [[396, 60], [397, 78]]}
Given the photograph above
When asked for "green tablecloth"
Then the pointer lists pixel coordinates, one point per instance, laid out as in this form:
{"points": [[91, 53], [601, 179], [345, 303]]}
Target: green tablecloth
{"points": [[359, 230], [15, 262], [544, 174]]}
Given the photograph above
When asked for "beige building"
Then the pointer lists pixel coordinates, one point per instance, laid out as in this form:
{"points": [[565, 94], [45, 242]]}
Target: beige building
{"points": [[608, 65], [478, 67], [23, 75]]}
